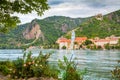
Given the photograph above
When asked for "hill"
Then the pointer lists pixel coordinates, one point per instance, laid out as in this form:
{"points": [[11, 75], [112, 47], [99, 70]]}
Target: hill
{"points": [[39, 32], [46, 31], [100, 26]]}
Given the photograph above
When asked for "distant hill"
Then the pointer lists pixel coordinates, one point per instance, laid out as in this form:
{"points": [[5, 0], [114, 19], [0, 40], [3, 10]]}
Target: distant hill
{"points": [[100, 26], [45, 30]]}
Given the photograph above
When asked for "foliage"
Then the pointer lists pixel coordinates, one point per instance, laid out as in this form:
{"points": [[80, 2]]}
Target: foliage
{"points": [[22, 67], [70, 70], [29, 66], [119, 42], [87, 42], [5, 67], [116, 73], [110, 25], [99, 47], [64, 47], [107, 46], [116, 46], [94, 47], [8, 7], [42, 68], [51, 71], [51, 27]]}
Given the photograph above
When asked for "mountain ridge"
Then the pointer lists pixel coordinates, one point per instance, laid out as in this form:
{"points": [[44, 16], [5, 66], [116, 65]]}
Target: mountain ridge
{"points": [[100, 26], [51, 27], [56, 26]]}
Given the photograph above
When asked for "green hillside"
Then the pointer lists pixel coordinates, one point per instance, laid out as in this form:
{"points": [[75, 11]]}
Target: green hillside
{"points": [[51, 27], [107, 26], [56, 26]]}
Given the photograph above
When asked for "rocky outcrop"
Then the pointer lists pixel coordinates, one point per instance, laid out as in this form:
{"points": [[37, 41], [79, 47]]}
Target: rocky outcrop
{"points": [[64, 28], [33, 31], [99, 17]]}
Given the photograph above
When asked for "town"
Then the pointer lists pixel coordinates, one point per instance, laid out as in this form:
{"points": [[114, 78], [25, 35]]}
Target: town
{"points": [[85, 43]]}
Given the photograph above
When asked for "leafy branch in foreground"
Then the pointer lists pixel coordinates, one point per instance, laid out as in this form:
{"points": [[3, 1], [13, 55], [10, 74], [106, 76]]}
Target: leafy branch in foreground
{"points": [[9, 7]]}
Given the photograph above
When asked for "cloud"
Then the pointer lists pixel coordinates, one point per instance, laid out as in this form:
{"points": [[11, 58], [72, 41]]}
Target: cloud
{"points": [[83, 8], [75, 8], [55, 2]]}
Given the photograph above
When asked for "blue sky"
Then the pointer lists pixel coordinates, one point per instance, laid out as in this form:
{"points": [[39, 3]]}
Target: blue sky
{"points": [[74, 8]]}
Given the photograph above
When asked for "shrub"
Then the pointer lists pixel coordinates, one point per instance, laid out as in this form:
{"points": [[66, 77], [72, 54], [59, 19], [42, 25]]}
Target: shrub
{"points": [[69, 69], [64, 47], [116, 73], [29, 66], [51, 72], [22, 67], [99, 47], [5, 67], [87, 42]]}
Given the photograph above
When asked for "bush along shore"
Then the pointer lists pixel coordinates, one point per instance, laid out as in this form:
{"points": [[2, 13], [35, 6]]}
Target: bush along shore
{"points": [[39, 68]]}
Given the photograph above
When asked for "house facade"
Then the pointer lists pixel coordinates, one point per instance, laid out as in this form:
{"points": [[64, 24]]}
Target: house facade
{"points": [[64, 42], [108, 40]]}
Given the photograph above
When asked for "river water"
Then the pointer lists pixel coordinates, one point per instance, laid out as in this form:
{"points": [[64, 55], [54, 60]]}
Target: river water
{"points": [[98, 63]]}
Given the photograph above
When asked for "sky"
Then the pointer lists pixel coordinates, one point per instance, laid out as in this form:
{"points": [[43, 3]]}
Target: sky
{"points": [[74, 9]]}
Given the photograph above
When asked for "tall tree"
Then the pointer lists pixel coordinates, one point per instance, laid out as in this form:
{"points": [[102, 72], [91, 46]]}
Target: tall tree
{"points": [[9, 7]]}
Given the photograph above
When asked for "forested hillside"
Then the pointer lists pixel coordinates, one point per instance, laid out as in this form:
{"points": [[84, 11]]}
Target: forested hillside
{"points": [[100, 26], [51, 28]]}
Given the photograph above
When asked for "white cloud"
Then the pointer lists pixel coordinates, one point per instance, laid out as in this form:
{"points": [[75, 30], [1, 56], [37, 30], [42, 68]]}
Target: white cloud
{"points": [[75, 8]]}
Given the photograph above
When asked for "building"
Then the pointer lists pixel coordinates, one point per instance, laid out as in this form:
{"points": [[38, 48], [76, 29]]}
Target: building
{"points": [[63, 42], [114, 41], [79, 41], [67, 42], [99, 17], [108, 40], [101, 42]]}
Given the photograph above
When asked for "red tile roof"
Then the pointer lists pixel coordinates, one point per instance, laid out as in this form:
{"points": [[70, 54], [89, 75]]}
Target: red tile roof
{"points": [[63, 40], [80, 38], [77, 39]]}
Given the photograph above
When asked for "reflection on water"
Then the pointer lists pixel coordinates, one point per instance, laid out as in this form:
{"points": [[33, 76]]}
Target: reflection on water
{"points": [[98, 63]]}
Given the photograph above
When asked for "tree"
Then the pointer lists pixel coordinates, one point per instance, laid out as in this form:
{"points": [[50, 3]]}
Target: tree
{"points": [[119, 42], [64, 47], [107, 46], [9, 7], [87, 42]]}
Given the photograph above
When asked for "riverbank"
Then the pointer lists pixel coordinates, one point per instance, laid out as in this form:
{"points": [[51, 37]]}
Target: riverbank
{"points": [[33, 78], [99, 63]]}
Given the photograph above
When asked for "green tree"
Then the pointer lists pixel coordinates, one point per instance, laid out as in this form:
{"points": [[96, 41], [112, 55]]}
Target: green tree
{"points": [[119, 42], [107, 46], [64, 47], [87, 42], [9, 7]]}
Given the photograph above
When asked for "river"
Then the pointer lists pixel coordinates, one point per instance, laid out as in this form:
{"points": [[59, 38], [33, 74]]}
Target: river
{"points": [[98, 63]]}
